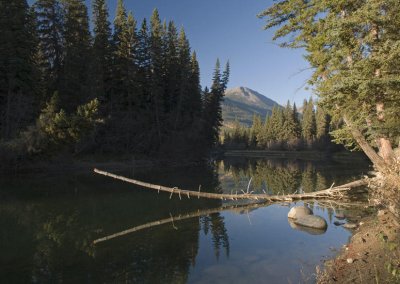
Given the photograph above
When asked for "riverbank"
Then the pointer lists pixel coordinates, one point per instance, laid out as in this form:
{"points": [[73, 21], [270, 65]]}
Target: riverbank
{"points": [[371, 256], [86, 164]]}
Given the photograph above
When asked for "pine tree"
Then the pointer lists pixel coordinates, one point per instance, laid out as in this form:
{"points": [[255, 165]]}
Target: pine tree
{"points": [[194, 90], [276, 124], [49, 17], [289, 127], [76, 82], [18, 71], [352, 74], [255, 130], [102, 51], [121, 56], [144, 67], [264, 135], [212, 112], [132, 99], [296, 119], [184, 108], [156, 87], [308, 122], [172, 82], [322, 123]]}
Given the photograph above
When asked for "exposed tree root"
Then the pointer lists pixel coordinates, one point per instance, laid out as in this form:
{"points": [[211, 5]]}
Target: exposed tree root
{"points": [[338, 192]]}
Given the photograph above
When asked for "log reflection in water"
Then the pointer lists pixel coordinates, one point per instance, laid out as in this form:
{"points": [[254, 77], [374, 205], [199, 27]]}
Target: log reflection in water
{"points": [[180, 218]]}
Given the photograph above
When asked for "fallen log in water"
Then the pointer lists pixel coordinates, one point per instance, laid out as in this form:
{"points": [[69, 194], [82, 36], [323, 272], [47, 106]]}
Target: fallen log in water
{"points": [[337, 192]]}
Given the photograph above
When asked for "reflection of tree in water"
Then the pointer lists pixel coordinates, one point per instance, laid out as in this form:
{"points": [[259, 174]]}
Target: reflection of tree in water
{"points": [[275, 176], [215, 224], [53, 236]]}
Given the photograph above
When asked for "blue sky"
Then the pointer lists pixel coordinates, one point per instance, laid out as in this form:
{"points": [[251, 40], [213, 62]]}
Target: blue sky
{"points": [[229, 29]]}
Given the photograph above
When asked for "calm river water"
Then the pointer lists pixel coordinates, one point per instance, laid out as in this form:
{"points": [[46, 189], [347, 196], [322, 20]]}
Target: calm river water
{"points": [[48, 225]]}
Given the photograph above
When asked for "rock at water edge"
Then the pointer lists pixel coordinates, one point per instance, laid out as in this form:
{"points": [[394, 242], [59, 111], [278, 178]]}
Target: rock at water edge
{"points": [[299, 211]]}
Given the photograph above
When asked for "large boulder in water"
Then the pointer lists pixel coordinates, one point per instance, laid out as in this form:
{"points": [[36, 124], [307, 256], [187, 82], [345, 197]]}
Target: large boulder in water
{"points": [[299, 211], [312, 221]]}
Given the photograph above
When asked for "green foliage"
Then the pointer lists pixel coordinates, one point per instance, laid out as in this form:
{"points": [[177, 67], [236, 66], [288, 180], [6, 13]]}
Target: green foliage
{"points": [[102, 50], [212, 112], [308, 126], [353, 48], [143, 85], [49, 19], [18, 72], [283, 130], [76, 80], [61, 129]]}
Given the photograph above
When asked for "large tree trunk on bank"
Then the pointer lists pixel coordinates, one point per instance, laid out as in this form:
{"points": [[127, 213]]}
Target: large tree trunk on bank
{"points": [[377, 160]]}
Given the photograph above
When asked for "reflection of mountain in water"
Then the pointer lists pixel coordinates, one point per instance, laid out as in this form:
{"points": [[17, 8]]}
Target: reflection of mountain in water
{"points": [[283, 176], [48, 236]]}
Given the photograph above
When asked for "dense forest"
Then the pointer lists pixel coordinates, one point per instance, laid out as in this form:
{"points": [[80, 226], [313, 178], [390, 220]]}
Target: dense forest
{"points": [[71, 83], [286, 129]]}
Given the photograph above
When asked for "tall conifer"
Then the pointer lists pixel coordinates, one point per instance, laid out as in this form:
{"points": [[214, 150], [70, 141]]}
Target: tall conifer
{"points": [[102, 51], [76, 80]]}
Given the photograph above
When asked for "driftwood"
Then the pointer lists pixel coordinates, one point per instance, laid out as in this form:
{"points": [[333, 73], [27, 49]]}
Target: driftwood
{"points": [[337, 192], [180, 218]]}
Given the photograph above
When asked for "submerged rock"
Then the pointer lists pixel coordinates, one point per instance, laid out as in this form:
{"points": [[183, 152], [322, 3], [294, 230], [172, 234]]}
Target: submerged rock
{"points": [[308, 230], [299, 211], [312, 221]]}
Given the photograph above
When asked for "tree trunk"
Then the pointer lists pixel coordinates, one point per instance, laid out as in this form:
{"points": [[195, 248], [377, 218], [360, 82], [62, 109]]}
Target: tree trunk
{"points": [[378, 161]]}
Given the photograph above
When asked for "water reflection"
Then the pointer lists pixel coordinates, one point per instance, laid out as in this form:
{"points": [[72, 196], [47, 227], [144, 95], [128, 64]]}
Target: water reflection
{"points": [[283, 176], [48, 224], [309, 230]]}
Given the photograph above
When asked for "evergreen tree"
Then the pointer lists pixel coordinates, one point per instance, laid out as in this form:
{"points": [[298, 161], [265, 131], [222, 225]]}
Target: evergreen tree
{"points": [[276, 124], [157, 87], [264, 135], [18, 89], [255, 131], [212, 113], [296, 121], [172, 81], [194, 90], [322, 123], [308, 122], [102, 51], [290, 128], [121, 56], [76, 81], [132, 99], [49, 17], [144, 66], [184, 108], [352, 74]]}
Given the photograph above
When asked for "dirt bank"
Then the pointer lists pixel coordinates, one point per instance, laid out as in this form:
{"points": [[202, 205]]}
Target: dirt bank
{"points": [[372, 255]]}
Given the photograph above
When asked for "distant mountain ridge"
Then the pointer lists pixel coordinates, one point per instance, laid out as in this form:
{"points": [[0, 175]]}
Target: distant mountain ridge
{"points": [[242, 103]]}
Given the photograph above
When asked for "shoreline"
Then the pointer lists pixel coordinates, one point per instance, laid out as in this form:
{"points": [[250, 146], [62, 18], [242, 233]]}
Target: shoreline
{"points": [[70, 163], [371, 255]]}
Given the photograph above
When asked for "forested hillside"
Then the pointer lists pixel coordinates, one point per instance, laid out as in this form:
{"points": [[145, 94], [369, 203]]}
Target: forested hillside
{"points": [[122, 87]]}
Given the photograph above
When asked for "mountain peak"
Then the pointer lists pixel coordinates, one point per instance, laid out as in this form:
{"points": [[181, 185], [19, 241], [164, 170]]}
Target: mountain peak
{"points": [[242, 103]]}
